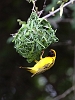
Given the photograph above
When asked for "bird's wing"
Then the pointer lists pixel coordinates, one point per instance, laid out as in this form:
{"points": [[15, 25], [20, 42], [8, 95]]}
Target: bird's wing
{"points": [[44, 68]]}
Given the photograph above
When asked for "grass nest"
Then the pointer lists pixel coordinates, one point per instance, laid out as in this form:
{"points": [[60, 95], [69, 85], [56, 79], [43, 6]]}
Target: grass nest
{"points": [[33, 37]]}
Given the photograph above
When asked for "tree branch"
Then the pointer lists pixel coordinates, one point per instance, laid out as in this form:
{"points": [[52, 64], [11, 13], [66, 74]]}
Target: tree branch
{"points": [[74, 71], [52, 13], [65, 93]]}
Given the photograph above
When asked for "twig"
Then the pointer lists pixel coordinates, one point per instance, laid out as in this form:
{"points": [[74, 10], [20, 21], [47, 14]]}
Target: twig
{"points": [[70, 89], [74, 71], [65, 93], [53, 12], [44, 5]]}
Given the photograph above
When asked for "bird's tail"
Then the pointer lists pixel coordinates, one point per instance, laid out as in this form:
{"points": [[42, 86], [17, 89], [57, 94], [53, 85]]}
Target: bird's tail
{"points": [[30, 69]]}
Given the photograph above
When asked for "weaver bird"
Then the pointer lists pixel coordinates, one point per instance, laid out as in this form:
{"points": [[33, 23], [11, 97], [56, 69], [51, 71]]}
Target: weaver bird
{"points": [[43, 64]]}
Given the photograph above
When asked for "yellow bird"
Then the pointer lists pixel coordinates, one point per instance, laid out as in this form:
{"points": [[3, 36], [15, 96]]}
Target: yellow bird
{"points": [[43, 64]]}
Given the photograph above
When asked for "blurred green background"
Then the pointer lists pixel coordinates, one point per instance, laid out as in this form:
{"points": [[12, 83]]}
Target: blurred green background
{"points": [[17, 84]]}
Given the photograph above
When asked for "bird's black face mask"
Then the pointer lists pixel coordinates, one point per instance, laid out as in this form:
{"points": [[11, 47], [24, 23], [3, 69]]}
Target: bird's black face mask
{"points": [[51, 53]]}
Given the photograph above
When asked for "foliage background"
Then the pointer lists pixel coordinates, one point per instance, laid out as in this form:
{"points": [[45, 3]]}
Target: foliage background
{"points": [[15, 83]]}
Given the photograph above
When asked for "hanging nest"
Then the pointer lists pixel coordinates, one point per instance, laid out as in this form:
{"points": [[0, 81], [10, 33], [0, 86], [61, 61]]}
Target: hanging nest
{"points": [[33, 37]]}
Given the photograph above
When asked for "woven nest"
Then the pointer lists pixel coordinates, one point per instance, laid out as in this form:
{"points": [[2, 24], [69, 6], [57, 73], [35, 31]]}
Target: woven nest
{"points": [[33, 37]]}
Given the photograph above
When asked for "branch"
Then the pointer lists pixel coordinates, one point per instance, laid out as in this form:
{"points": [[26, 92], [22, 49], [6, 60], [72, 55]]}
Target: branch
{"points": [[44, 6], [65, 93], [74, 71], [70, 89], [52, 13]]}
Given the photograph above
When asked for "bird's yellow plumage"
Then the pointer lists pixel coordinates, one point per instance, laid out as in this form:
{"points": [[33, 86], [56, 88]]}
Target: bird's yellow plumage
{"points": [[44, 63]]}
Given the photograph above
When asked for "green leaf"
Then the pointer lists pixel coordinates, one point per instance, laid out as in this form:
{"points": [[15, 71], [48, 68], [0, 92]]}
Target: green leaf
{"points": [[61, 9]]}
